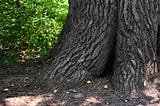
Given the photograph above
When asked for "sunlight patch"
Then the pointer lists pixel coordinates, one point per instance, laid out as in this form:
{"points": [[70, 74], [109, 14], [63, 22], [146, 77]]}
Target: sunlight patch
{"points": [[27, 100]]}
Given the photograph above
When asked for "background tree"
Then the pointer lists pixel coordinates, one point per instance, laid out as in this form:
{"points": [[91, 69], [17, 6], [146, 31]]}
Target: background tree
{"points": [[107, 34]]}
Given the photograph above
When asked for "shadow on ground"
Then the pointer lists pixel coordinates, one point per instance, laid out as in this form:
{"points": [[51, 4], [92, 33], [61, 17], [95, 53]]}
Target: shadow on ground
{"points": [[18, 88]]}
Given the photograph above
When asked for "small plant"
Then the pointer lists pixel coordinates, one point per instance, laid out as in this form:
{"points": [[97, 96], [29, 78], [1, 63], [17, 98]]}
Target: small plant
{"points": [[30, 27]]}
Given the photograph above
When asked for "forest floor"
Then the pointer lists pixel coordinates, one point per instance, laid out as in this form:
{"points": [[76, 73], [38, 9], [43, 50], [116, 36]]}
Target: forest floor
{"points": [[18, 88]]}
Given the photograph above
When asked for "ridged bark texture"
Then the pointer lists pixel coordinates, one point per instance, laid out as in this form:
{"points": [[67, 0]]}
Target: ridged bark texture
{"points": [[136, 49], [64, 33], [158, 37], [87, 46], [94, 29]]}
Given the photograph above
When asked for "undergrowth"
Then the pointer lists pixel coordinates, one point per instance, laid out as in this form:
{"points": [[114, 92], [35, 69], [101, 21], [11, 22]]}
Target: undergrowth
{"points": [[29, 28]]}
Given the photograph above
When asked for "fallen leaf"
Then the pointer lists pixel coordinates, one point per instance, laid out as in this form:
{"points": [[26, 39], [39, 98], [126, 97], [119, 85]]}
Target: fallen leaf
{"points": [[12, 85], [89, 82], [5, 89], [145, 83], [105, 86], [55, 91], [72, 90], [27, 84]]}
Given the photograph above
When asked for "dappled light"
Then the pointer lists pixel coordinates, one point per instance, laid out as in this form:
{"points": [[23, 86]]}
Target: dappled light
{"points": [[97, 92], [79, 53], [42, 100], [65, 98], [91, 100], [27, 100], [152, 92]]}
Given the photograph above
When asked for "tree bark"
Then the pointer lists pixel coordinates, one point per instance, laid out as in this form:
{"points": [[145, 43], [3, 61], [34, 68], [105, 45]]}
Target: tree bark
{"points": [[94, 29], [136, 49], [88, 43], [64, 33], [158, 37]]}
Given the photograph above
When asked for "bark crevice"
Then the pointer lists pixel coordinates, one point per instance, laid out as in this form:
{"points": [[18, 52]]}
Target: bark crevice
{"points": [[102, 36]]}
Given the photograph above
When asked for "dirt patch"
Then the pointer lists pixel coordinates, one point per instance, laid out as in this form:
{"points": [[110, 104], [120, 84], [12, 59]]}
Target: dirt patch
{"points": [[18, 87]]}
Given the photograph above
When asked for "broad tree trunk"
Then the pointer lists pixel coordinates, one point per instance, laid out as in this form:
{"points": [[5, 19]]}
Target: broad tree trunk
{"points": [[158, 37], [88, 43], [136, 49], [94, 29]]}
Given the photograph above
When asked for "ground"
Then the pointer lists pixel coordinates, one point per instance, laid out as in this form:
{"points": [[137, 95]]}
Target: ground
{"points": [[20, 85]]}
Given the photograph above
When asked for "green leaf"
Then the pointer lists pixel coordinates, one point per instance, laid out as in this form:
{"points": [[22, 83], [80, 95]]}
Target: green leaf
{"points": [[1, 47], [34, 25], [2, 23]]}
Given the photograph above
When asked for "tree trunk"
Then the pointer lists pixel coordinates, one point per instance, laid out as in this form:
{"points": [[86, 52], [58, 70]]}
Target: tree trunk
{"points": [[65, 31], [136, 49], [88, 43], [158, 38], [94, 29]]}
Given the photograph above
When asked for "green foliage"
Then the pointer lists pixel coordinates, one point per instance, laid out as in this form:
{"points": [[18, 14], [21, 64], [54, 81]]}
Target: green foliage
{"points": [[29, 27]]}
